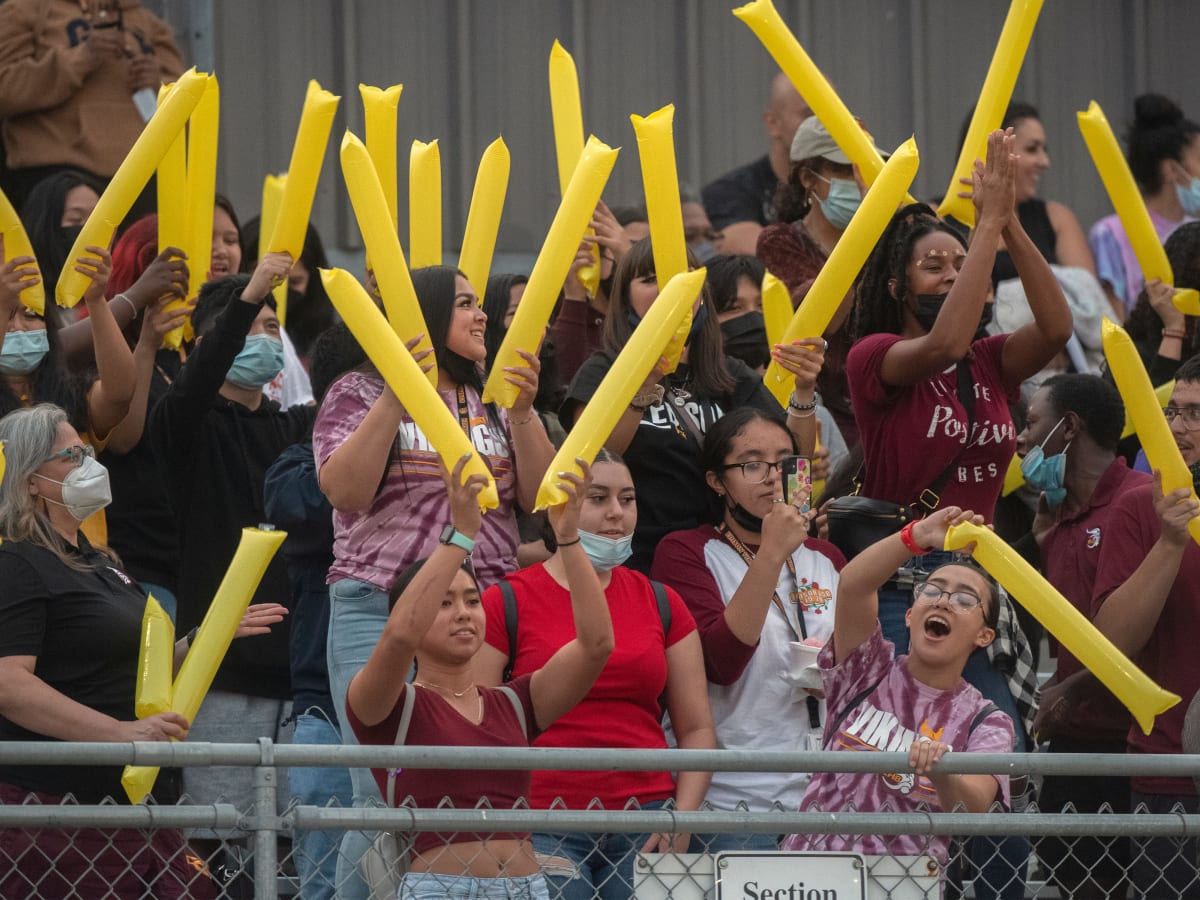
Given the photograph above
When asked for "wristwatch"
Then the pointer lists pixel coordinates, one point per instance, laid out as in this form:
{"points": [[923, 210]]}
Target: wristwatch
{"points": [[455, 538]]}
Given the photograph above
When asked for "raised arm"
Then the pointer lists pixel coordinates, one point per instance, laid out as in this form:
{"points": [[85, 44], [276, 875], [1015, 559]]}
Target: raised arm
{"points": [[111, 392], [531, 447], [803, 359]]}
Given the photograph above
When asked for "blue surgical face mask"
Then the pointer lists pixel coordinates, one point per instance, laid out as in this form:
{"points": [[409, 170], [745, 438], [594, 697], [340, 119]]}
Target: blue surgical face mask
{"points": [[704, 250], [23, 351], [1189, 197], [606, 553], [842, 202], [1046, 473], [259, 362]]}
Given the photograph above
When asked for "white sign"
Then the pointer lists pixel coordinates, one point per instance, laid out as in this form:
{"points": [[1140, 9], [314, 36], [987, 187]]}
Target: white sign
{"points": [[791, 876]]}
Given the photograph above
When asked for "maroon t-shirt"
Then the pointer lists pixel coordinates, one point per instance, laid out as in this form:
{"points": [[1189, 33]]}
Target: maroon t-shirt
{"points": [[1070, 560], [911, 434], [1170, 656]]}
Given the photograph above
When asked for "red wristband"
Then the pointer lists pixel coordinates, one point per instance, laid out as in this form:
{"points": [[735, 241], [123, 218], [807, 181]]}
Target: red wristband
{"points": [[906, 535]]}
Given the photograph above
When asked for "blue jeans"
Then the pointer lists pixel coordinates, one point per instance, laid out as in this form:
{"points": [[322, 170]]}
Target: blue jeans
{"points": [[1164, 866], [164, 596], [428, 886], [316, 852], [357, 613], [603, 862]]}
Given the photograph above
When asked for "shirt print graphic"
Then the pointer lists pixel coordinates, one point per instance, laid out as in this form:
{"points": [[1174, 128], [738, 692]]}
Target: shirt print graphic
{"points": [[811, 597], [877, 730], [946, 419]]}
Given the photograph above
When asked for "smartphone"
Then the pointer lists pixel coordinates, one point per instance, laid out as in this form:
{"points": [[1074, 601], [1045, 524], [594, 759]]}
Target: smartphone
{"points": [[796, 472]]}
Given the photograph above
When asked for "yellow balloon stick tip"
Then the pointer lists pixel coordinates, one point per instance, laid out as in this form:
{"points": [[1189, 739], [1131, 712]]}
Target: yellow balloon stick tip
{"points": [[425, 205], [383, 249], [1187, 301], [566, 112], [379, 130], [483, 218], [777, 308], [551, 267], [421, 400], [1025, 584], [16, 243], [1013, 476], [629, 371], [830, 286], [156, 657]]}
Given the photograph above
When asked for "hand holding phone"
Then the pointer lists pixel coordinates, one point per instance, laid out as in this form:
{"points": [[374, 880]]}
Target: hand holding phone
{"points": [[796, 472]]}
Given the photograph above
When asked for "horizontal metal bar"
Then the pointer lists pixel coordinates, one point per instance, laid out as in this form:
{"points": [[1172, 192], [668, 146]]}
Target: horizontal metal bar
{"points": [[222, 816]]}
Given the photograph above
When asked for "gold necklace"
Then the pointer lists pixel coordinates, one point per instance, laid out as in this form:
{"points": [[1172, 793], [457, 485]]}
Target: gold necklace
{"points": [[458, 694]]}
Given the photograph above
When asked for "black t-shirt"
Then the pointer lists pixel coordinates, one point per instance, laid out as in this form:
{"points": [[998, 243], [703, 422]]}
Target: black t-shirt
{"points": [[747, 194], [1035, 219], [664, 456], [84, 628]]}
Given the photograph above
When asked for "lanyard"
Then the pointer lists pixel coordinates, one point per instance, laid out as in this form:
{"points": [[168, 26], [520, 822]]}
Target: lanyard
{"points": [[464, 422]]}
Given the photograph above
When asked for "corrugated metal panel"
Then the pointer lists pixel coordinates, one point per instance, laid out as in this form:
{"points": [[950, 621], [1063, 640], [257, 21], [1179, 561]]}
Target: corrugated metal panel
{"points": [[475, 69]]}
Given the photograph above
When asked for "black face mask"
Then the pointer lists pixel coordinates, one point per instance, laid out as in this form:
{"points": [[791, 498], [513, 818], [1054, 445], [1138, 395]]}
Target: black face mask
{"points": [[930, 305], [1194, 468], [743, 517], [746, 339], [66, 237]]}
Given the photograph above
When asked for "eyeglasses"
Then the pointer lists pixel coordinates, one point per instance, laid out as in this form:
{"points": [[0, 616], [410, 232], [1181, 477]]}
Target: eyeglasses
{"points": [[755, 472], [960, 601], [75, 454], [1189, 414]]}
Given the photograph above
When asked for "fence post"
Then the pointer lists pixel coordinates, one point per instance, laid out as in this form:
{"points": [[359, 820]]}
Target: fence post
{"points": [[266, 826]]}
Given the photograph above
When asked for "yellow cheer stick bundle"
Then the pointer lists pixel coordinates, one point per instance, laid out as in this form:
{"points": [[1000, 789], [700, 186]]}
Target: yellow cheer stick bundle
{"points": [[424, 205], [379, 130], [550, 269], [272, 199], [16, 243], [483, 218], [383, 247], [993, 101], [1129, 205], [304, 171], [764, 20], [660, 183], [202, 183], [1142, 406], [132, 175], [171, 186], [156, 656], [629, 371], [421, 400], [1025, 584], [829, 288], [566, 111]]}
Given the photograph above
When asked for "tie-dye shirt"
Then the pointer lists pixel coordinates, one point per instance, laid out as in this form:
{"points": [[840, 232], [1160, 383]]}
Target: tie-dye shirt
{"points": [[411, 508], [897, 712]]}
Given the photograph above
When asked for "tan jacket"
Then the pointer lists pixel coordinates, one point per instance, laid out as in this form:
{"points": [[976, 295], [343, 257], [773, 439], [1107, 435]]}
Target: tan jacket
{"points": [[53, 110]]}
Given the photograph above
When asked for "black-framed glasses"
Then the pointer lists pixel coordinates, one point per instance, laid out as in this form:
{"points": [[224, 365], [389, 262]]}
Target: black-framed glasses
{"points": [[755, 472], [75, 454], [1189, 414], [960, 601]]}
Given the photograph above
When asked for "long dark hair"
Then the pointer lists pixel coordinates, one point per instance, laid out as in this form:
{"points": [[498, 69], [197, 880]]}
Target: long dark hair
{"points": [[876, 310], [496, 298], [706, 356], [1183, 253], [42, 214], [1159, 131]]}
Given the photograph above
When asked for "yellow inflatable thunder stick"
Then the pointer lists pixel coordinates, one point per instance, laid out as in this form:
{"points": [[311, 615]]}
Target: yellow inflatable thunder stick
{"points": [[1129, 205], [551, 268], [135, 171], [1131, 685], [1162, 393], [272, 198], [777, 308], [1143, 407], [829, 289], [16, 243], [156, 659], [304, 170], [171, 188], [993, 101], [383, 247], [483, 219], [628, 373], [379, 132], [764, 20], [421, 401], [566, 111], [424, 205], [1013, 479], [660, 183]]}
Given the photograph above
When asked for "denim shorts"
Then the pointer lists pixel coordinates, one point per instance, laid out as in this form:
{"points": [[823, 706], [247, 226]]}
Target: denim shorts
{"points": [[430, 886]]}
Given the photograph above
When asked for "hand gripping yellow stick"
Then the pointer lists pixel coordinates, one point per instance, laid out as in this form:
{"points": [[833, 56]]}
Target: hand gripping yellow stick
{"points": [[1141, 696], [660, 183], [550, 270], [383, 247], [830, 286], [483, 219], [1162, 393], [171, 187], [304, 171], [993, 101], [272, 199], [425, 205], [402, 374], [16, 243], [1142, 406], [567, 114], [764, 20], [1129, 205], [379, 130], [628, 372], [135, 171]]}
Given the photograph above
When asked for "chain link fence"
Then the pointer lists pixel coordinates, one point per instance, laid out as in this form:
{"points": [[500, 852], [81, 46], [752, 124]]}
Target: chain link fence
{"points": [[54, 848]]}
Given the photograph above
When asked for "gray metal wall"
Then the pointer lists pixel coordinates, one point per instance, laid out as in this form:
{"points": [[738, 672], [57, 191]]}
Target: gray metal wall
{"points": [[475, 69]]}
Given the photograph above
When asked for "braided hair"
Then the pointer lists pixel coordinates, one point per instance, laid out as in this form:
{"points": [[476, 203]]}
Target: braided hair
{"points": [[878, 309]]}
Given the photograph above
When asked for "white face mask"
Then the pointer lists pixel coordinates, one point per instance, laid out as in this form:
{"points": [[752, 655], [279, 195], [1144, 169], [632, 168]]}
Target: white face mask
{"points": [[85, 490]]}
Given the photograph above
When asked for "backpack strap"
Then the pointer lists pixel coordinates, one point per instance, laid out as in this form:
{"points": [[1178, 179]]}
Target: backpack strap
{"points": [[406, 711], [664, 606], [980, 716], [510, 625], [832, 726], [517, 707]]}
